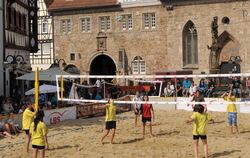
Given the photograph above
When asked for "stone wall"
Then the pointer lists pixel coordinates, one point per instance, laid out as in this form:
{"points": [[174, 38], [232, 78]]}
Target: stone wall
{"points": [[161, 48]]}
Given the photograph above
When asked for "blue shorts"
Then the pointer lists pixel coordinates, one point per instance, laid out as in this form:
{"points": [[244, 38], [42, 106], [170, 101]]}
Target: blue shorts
{"points": [[232, 118]]}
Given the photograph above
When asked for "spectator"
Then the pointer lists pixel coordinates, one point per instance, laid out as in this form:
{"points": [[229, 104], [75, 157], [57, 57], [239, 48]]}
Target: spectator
{"points": [[203, 87], [211, 87], [186, 86], [248, 86], [53, 101], [98, 85], [7, 106], [98, 97], [193, 89], [4, 127], [236, 87], [179, 88], [169, 90]]}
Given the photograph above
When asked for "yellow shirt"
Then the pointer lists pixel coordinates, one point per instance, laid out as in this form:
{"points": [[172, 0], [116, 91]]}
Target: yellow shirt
{"points": [[110, 113], [231, 107], [28, 117], [200, 121], [37, 136]]}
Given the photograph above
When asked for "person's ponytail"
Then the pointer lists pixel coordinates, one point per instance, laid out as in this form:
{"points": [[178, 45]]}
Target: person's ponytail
{"points": [[39, 117]]}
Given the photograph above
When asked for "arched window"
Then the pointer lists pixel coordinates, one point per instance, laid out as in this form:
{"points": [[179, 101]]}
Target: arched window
{"points": [[190, 45], [138, 66]]}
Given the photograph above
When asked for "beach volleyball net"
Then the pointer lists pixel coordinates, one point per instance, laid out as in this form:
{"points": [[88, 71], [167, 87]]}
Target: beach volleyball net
{"points": [[96, 89]]}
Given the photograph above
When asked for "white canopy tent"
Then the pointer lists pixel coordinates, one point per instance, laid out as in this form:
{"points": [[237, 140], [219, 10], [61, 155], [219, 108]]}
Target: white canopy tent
{"points": [[43, 89], [44, 75]]}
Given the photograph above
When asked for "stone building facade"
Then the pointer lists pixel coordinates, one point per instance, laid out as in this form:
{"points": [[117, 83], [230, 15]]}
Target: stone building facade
{"points": [[162, 37]]}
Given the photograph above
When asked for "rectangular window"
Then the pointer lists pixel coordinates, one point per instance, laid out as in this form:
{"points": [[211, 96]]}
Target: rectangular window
{"points": [[127, 22], [149, 20], [45, 27], [66, 26], [135, 67], [72, 56], [105, 23], [86, 24]]}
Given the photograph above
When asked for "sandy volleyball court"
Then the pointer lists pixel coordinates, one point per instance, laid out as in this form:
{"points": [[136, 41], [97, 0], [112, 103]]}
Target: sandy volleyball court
{"points": [[173, 139]]}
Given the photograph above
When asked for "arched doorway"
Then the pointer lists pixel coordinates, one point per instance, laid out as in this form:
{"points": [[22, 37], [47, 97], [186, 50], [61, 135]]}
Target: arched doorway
{"points": [[102, 65]]}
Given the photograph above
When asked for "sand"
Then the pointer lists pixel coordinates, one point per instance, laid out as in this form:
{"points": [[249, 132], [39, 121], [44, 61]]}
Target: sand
{"points": [[173, 138]]}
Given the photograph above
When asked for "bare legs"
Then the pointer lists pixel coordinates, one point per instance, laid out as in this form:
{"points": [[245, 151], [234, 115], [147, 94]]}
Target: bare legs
{"points": [[195, 144], [136, 118], [150, 128], [27, 142], [106, 133], [234, 129], [35, 153], [205, 145]]}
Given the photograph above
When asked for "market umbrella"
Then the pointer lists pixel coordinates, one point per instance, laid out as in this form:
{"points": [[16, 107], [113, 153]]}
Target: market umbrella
{"points": [[44, 75], [43, 89]]}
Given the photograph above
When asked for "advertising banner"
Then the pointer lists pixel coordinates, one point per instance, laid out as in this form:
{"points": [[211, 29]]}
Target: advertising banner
{"points": [[57, 115]]}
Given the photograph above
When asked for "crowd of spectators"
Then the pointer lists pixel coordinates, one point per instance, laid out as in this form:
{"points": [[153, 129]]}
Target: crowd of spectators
{"points": [[209, 87]]}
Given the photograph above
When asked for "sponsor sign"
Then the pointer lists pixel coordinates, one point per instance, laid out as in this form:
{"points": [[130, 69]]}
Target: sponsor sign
{"points": [[57, 115]]}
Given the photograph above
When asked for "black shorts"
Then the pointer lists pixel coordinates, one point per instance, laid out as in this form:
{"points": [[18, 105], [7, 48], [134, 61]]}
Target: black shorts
{"points": [[145, 119], [111, 125], [137, 111], [38, 147], [27, 131], [196, 137]]}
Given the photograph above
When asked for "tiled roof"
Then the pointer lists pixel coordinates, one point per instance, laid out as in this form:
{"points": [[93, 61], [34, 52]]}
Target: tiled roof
{"points": [[70, 4]]}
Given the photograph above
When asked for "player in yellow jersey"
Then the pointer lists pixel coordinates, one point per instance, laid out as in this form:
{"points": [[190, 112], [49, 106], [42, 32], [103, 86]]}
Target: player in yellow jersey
{"points": [[231, 111], [110, 120], [200, 119], [28, 116], [38, 132]]}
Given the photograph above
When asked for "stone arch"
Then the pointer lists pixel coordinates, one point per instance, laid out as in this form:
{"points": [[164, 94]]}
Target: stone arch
{"points": [[72, 69], [228, 47], [102, 64]]}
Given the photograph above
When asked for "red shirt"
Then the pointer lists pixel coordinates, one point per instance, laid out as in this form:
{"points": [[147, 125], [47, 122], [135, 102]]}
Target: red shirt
{"points": [[146, 110]]}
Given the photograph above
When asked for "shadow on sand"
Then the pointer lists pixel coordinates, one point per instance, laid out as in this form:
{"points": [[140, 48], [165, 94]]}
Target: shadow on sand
{"points": [[224, 153]]}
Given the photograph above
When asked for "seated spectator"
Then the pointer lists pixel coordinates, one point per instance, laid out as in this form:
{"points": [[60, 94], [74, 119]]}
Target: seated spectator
{"points": [[53, 101], [14, 127], [4, 128], [98, 97], [169, 90], [179, 88], [236, 87], [211, 87], [7, 106], [186, 87], [202, 87], [193, 89]]}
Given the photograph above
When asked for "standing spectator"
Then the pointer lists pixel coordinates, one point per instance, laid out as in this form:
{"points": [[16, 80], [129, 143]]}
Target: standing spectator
{"points": [[186, 86], [203, 87], [198, 98], [211, 86], [98, 85], [193, 89], [236, 87]]}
